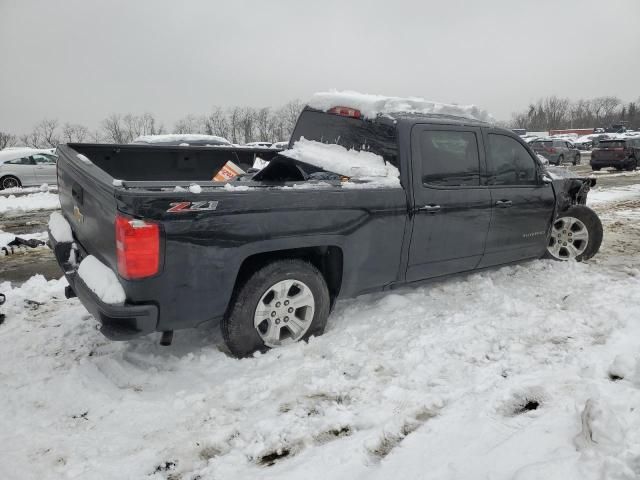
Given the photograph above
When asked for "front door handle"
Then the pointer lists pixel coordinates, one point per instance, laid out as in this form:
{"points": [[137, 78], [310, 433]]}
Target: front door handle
{"points": [[504, 203], [430, 208]]}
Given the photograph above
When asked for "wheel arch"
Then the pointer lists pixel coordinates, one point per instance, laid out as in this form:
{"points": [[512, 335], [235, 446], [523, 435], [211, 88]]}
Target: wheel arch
{"points": [[328, 259]]}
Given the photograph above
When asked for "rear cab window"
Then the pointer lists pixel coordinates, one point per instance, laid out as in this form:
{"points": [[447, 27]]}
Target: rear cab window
{"points": [[351, 133]]}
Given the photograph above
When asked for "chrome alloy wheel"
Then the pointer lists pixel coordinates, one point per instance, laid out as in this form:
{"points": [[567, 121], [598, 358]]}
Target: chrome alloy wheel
{"points": [[284, 313], [569, 238]]}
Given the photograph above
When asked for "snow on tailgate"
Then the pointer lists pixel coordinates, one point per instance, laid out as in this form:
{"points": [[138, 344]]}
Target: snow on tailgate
{"points": [[356, 164], [60, 228], [371, 106]]}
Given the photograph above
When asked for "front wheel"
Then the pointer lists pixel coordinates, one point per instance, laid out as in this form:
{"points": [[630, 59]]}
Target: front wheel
{"points": [[575, 235], [576, 159], [633, 165], [283, 302], [560, 160]]}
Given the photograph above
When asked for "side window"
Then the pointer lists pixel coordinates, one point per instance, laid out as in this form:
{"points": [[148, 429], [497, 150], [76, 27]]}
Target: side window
{"points": [[510, 162], [449, 158], [20, 161], [44, 159]]}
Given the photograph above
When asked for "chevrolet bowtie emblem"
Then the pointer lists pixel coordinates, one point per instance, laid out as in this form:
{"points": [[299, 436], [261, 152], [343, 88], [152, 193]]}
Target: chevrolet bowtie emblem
{"points": [[77, 215]]}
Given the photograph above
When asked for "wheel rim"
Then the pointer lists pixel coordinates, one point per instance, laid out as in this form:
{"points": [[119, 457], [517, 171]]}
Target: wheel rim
{"points": [[569, 238], [9, 182], [284, 313]]}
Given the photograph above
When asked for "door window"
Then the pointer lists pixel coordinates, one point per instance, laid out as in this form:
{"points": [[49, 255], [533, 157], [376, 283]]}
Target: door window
{"points": [[20, 161], [449, 158], [511, 163], [44, 159]]}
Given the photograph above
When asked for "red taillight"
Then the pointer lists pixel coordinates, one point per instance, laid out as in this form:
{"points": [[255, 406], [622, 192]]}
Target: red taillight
{"points": [[137, 247], [345, 112]]}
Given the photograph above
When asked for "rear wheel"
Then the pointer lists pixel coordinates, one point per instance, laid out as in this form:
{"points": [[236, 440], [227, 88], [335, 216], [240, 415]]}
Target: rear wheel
{"points": [[9, 182], [282, 303], [576, 159], [575, 235], [595, 169], [633, 165], [560, 160]]}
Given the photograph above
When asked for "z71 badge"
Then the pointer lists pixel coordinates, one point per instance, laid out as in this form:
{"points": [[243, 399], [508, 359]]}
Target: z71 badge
{"points": [[178, 207]]}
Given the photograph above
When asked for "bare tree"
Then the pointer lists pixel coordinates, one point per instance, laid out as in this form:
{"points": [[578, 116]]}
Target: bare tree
{"points": [[113, 128], [247, 121], [7, 140], [290, 113], [216, 123], [31, 139], [74, 133], [190, 124], [234, 124], [262, 119], [48, 131]]}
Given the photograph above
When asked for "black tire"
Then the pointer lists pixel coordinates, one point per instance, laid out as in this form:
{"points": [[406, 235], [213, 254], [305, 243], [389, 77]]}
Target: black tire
{"points": [[240, 334], [595, 169], [9, 178], [576, 159], [594, 227], [560, 160], [633, 165]]}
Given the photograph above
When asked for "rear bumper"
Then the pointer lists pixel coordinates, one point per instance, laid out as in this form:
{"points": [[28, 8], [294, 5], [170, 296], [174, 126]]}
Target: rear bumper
{"points": [[616, 163], [118, 322]]}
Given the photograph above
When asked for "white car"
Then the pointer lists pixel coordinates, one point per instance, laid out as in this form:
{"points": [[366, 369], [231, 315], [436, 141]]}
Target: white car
{"points": [[27, 167]]}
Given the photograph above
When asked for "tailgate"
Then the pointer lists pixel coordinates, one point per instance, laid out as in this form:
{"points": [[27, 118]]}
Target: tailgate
{"points": [[87, 199]]}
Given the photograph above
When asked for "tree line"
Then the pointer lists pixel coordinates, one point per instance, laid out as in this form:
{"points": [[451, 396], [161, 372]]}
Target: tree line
{"points": [[237, 124], [551, 113], [248, 124]]}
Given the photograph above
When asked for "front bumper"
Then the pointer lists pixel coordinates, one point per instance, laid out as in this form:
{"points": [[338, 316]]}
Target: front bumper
{"points": [[118, 322]]}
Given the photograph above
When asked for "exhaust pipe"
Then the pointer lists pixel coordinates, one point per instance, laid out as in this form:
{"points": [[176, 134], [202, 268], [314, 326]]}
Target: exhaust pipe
{"points": [[167, 338]]}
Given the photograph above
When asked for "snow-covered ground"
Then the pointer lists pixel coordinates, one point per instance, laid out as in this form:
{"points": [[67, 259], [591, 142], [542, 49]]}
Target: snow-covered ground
{"points": [[525, 372], [32, 201]]}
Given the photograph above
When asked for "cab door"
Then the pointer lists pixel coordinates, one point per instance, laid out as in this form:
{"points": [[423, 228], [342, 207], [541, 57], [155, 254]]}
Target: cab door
{"points": [[523, 205], [451, 210], [45, 168]]}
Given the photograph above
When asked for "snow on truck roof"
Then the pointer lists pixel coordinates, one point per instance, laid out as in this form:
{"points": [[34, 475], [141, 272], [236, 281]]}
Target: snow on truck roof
{"points": [[370, 106]]}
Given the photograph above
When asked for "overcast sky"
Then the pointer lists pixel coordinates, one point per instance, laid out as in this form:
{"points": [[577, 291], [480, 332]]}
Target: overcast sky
{"points": [[80, 60]]}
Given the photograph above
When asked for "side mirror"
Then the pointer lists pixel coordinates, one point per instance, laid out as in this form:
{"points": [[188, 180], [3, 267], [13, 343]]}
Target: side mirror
{"points": [[545, 178]]}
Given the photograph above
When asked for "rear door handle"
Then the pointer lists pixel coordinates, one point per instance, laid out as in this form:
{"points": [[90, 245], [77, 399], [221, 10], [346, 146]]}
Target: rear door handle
{"points": [[430, 208], [504, 203]]}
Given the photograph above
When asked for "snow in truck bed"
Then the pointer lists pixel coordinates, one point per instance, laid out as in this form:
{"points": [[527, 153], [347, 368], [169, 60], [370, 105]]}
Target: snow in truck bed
{"points": [[371, 106], [361, 165]]}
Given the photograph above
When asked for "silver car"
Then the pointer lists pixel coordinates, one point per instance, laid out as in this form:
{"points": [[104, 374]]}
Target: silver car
{"points": [[557, 150], [27, 167]]}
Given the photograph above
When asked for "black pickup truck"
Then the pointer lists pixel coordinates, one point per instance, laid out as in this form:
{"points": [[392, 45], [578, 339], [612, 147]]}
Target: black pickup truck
{"points": [[267, 255]]}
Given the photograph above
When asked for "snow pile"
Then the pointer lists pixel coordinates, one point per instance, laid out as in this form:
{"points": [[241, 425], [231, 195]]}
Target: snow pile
{"points": [[32, 201], [195, 188], [101, 280], [371, 106], [362, 165], [179, 138], [60, 228]]}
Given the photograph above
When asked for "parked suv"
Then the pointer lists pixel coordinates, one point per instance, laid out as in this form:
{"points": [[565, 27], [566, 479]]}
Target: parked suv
{"points": [[619, 154], [556, 150]]}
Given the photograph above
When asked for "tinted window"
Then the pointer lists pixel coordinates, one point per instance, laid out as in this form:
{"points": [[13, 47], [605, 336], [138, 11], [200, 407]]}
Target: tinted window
{"points": [[449, 158], [20, 161], [510, 162], [618, 144]]}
